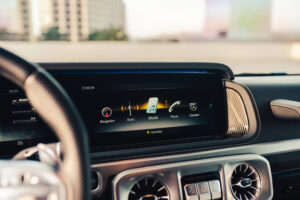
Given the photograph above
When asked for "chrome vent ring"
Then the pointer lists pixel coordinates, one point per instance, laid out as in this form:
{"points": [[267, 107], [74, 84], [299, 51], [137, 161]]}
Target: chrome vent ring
{"points": [[149, 188], [245, 182]]}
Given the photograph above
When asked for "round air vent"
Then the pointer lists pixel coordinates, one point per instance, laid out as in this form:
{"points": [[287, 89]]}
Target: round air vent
{"points": [[245, 182], [149, 188]]}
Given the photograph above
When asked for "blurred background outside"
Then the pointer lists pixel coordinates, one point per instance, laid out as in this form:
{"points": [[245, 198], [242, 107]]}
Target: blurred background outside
{"points": [[257, 36]]}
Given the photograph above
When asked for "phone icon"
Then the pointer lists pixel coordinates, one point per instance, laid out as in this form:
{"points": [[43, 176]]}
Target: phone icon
{"points": [[176, 103], [152, 105]]}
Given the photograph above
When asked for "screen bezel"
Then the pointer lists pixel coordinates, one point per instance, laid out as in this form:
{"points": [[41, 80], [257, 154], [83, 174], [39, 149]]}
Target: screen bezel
{"points": [[126, 139]]}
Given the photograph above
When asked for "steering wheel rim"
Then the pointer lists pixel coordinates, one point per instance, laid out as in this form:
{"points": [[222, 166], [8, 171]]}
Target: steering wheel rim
{"points": [[56, 108]]}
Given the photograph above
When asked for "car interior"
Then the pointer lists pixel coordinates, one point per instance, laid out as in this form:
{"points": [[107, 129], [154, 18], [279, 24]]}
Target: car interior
{"points": [[146, 130]]}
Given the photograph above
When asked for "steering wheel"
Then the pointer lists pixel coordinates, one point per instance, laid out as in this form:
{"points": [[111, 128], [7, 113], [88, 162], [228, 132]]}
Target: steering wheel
{"points": [[34, 180]]}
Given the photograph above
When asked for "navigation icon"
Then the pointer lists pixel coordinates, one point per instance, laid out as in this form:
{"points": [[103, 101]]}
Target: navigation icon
{"points": [[106, 112]]}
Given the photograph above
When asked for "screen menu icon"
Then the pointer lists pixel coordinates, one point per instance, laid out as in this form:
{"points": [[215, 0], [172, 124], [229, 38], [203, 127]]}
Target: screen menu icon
{"points": [[106, 112], [152, 105], [193, 106], [174, 105]]}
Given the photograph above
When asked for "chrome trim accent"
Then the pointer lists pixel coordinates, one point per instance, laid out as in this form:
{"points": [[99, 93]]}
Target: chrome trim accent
{"points": [[238, 124], [100, 182], [249, 106], [171, 175]]}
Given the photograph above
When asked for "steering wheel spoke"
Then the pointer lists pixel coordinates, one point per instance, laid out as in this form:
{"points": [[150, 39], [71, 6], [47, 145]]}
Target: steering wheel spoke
{"points": [[30, 180]]}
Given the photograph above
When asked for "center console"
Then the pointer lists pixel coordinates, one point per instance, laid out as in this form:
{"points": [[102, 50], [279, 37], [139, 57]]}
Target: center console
{"points": [[234, 177]]}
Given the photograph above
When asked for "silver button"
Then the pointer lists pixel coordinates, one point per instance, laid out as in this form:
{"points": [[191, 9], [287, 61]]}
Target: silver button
{"points": [[215, 189], [191, 192], [204, 191]]}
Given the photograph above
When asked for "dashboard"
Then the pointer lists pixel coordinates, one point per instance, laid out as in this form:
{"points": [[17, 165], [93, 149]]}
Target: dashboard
{"points": [[166, 130]]}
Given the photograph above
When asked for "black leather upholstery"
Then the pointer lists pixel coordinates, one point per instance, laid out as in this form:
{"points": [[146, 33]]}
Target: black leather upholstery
{"points": [[57, 109]]}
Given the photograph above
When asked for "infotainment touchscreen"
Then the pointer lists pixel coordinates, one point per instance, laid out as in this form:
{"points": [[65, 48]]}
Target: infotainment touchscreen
{"points": [[139, 107]]}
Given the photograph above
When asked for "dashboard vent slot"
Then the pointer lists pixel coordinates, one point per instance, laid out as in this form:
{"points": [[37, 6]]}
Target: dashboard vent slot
{"points": [[149, 188], [245, 182], [238, 124]]}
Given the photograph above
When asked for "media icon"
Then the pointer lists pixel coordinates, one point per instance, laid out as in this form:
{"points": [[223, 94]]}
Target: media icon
{"points": [[193, 106], [175, 104], [152, 105]]}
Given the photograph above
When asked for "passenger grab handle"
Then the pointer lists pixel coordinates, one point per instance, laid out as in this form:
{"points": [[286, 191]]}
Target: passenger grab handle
{"points": [[285, 109]]}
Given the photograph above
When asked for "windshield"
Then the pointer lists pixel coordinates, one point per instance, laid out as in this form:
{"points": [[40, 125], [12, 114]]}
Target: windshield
{"points": [[250, 36]]}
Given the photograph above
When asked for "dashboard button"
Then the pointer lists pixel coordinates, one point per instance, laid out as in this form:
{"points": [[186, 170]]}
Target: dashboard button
{"points": [[215, 189], [191, 192], [204, 191]]}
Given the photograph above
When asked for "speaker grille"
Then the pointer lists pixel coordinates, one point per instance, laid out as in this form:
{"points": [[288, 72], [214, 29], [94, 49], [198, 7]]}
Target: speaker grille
{"points": [[238, 124]]}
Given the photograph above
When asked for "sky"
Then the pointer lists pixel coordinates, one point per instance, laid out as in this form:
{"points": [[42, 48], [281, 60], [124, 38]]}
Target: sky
{"points": [[146, 19], [286, 16], [150, 18], [8, 15]]}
